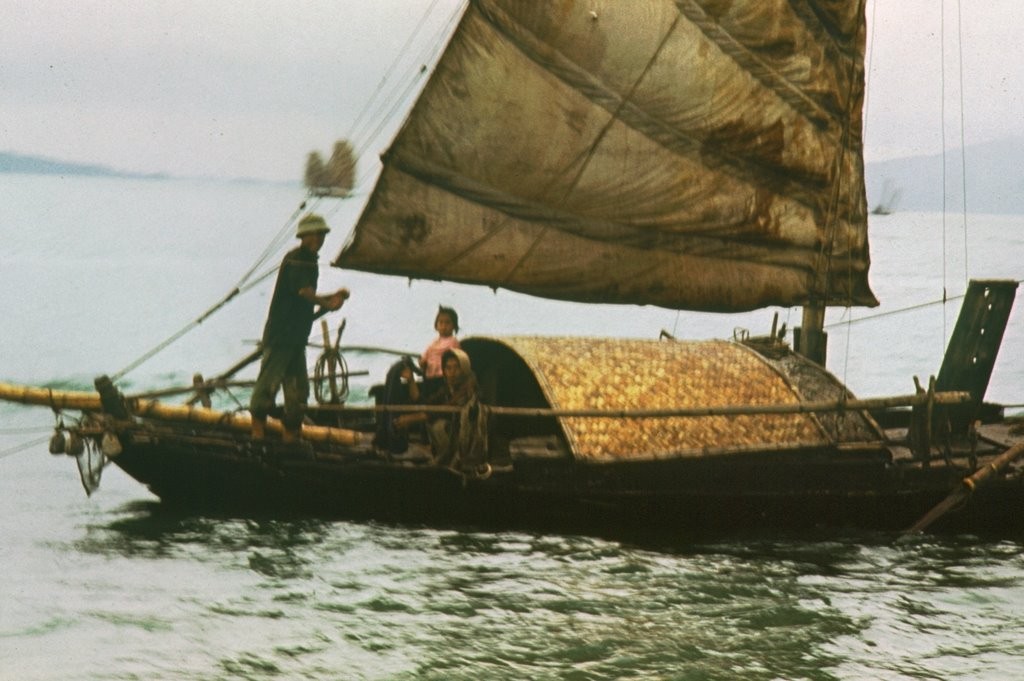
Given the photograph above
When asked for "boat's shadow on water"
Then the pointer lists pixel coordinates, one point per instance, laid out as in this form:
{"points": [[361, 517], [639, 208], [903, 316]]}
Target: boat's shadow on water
{"points": [[278, 545], [151, 530]]}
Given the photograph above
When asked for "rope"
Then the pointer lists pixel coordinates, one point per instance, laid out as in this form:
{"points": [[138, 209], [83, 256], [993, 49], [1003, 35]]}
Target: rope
{"points": [[326, 374], [945, 299], [391, 104], [273, 246], [963, 145], [242, 286], [25, 430], [388, 109], [23, 446], [391, 68], [175, 336]]}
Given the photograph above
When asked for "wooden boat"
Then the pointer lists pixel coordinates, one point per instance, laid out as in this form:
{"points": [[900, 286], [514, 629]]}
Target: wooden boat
{"points": [[682, 154]]}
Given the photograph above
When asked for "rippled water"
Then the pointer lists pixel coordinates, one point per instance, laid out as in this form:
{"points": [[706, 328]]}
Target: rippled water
{"points": [[115, 587], [118, 589]]}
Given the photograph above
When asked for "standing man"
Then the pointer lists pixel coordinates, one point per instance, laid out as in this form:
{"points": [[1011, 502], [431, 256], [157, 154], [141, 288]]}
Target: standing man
{"points": [[289, 322]]}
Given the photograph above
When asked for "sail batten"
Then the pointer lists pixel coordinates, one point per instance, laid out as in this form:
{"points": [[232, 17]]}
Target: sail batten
{"points": [[782, 87], [619, 154], [711, 149], [708, 244]]}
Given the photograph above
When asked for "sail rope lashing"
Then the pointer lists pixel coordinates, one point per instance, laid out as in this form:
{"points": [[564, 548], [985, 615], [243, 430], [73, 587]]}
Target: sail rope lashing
{"points": [[832, 212], [243, 285]]}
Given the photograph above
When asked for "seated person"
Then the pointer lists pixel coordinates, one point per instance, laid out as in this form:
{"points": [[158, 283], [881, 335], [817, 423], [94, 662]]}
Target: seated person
{"points": [[399, 388], [459, 389]]}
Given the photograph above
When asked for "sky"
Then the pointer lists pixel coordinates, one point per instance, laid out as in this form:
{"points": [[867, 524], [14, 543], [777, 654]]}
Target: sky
{"points": [[206, 88], [227, 88]]}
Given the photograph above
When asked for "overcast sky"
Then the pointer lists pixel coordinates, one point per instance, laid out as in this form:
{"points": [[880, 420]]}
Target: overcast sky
{"points": [[232, 88]]}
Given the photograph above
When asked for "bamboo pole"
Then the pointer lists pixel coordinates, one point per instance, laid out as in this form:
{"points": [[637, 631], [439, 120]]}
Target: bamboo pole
{"points": [[236, 421], [181, 413], [331, 361], [966, 488], [48, 397], [234, 369], [211, 385], [951, 397], [64, 399]]}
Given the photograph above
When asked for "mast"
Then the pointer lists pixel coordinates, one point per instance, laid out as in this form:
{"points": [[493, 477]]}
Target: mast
{"points": [[847, 197], [811, 339]]}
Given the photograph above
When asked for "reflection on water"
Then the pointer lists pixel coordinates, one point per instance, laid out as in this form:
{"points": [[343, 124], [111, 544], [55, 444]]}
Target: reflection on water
{"points": [[351, 600]]}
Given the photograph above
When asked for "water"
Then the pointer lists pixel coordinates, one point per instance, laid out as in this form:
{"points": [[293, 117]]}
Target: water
{"points": [[97, 271]]}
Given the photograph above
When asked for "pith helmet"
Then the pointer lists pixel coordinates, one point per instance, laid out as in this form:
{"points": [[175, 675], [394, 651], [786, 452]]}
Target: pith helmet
{"points": [[311, 223]]}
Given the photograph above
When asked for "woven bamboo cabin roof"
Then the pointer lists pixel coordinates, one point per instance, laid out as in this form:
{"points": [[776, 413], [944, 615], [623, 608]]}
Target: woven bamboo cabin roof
{"points": [[613, 374]]}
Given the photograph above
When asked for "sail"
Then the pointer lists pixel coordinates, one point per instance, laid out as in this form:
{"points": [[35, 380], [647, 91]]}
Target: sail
{"points": [[696, 154]]}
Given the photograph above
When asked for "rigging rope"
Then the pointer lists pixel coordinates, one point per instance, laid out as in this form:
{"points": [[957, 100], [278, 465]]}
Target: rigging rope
{"points": [[388, 108], [22, 447], [399, 94], [919, 306], [387, 74], [242, 285], [24, 430], [275, 243], [963, 149], [834, 206]]}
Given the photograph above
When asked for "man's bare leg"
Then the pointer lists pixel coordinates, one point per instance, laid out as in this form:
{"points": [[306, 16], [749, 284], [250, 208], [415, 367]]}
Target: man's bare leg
{"points": [[259, 428]]}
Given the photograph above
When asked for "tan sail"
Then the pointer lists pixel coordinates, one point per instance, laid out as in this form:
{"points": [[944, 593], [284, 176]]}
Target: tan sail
{"points": [[692, 154]]}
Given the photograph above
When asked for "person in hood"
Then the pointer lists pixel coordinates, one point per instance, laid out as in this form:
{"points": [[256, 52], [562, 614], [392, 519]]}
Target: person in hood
{"points": [[398, 388], [460, 389]]}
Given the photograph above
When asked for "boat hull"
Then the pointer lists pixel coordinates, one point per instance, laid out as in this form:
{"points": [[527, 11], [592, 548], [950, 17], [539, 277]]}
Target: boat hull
{"points": [[680, 498]]}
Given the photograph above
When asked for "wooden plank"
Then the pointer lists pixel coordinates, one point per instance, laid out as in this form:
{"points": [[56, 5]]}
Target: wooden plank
{"points": [[969, 485]]}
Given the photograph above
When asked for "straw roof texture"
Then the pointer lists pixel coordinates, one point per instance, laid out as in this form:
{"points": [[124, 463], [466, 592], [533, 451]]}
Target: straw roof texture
{"points": [[586, 373]]}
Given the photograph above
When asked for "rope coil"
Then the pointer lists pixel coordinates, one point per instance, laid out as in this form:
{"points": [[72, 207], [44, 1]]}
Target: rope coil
{"points": [[330, 377]]}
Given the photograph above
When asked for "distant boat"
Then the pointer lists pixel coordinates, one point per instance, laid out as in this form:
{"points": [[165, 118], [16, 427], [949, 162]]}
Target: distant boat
{"points": [[688, 154], [889, 200]]}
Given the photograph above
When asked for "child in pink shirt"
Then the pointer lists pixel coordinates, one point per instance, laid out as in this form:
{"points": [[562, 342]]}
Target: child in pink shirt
{"points": [[446, 323]]}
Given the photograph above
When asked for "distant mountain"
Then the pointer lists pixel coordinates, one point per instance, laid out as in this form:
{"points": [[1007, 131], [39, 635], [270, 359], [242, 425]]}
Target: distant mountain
{"points": [[995, 182], [36, 165], [18, 163]]}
